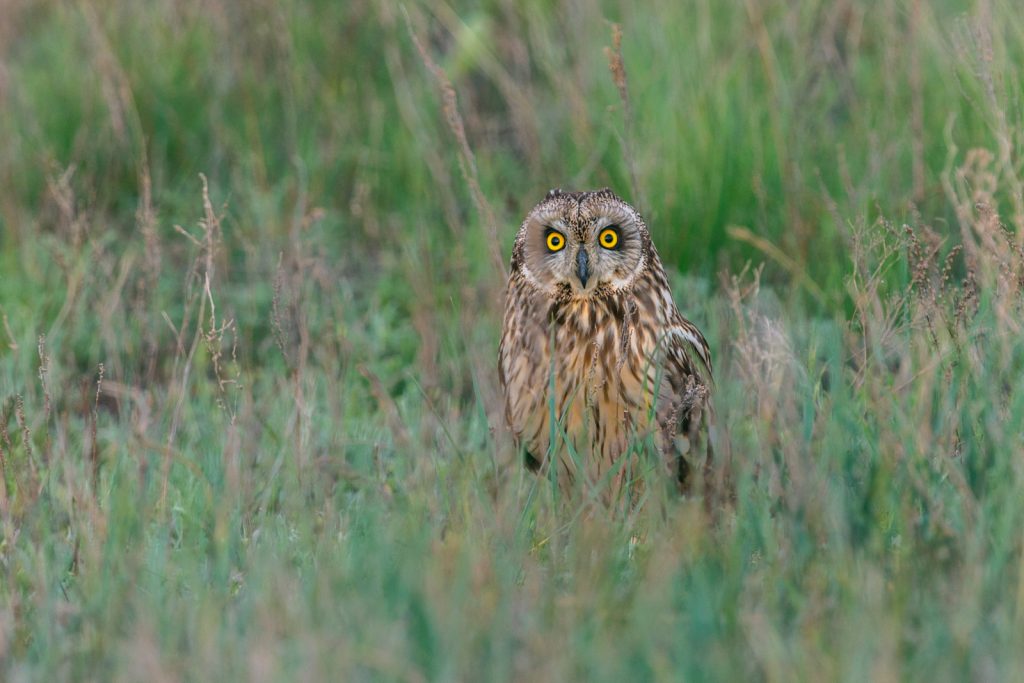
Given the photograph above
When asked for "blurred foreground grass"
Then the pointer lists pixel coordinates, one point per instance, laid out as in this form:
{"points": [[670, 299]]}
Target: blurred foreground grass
{"points": [[249, 422]]}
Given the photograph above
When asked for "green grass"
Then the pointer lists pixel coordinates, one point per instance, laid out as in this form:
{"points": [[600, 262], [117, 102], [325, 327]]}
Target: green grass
{"points": [[271, 448]]}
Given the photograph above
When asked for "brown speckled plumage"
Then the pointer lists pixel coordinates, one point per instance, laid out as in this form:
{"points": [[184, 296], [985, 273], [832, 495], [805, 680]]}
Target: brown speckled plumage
{"points": [[595, 359]]}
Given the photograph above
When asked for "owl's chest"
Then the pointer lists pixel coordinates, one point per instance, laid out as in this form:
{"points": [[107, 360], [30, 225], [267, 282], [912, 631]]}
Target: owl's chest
{"points": [[600, 352]]}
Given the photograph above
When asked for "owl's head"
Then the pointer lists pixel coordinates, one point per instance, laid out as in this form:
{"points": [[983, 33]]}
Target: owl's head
{"points": [[581, 244]]}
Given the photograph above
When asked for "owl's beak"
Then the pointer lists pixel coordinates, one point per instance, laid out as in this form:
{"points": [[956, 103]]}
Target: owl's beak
{"points": [[582, 268]]}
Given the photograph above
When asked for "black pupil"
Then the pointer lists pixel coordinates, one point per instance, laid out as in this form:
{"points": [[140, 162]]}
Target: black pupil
{"points": [[608, 236]]}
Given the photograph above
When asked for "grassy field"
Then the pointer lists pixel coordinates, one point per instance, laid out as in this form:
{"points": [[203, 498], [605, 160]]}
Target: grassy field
{"points": [[251, 275]]}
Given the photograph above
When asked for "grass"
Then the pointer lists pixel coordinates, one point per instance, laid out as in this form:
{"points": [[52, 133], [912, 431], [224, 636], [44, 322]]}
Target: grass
{"points": [[249, 308]]}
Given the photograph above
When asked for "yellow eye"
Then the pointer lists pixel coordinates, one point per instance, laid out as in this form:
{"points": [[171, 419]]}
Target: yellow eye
{"points": [[555, 241], [608, 238]]}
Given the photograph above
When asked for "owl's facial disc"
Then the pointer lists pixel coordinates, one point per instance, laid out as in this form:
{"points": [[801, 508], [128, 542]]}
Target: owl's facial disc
{"points": [[582, 245]]}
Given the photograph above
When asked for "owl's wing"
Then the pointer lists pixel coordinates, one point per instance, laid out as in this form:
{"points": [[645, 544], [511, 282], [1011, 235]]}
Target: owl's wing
{"points": [[684, 399], [522, 372], [687, 342]]}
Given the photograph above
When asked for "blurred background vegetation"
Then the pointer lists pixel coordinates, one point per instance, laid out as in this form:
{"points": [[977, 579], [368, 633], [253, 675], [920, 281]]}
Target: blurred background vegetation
{"points": [[250, 298]]}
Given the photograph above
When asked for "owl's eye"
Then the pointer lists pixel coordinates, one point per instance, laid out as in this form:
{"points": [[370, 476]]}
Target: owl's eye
{"points": [[556, 241], [609, 238]]}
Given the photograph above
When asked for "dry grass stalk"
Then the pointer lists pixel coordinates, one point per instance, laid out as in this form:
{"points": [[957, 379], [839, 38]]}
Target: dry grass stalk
{"points": [[94, 451], [780, 257], [146, 220], [977, 47], [410, 112], [467, 161], [522, 111], [5, 452], [26, 432], [276, 313], [44, 372], [11, 343], [387, 405], [916, 103], [115, 86], [617, 66], [207, 245]]}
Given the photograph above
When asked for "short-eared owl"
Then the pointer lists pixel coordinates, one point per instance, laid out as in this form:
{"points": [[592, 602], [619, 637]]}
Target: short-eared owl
{"points": [[595, 361]]}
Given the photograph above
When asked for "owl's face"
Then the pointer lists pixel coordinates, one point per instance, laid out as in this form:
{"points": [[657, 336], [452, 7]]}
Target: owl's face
{"points": [[581, 244]]}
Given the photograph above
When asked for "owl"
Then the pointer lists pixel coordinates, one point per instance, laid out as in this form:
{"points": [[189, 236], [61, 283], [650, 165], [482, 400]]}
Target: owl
{"points": [[596, 364]]}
